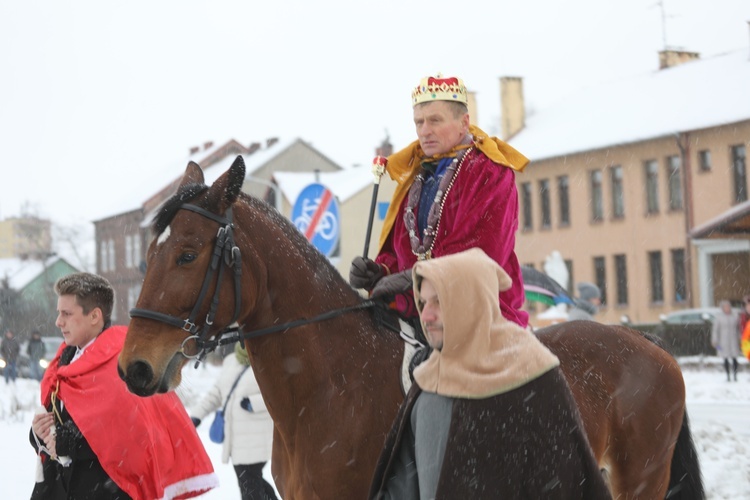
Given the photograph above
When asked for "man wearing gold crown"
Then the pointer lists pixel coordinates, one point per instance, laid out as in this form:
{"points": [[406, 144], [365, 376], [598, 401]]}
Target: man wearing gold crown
{"points": [[456, 190]]}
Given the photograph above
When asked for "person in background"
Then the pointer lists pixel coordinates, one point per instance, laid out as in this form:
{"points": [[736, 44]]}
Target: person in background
{"points": [[725, 336], [9, 350], [248, 428], [588, 302], [95, 440], [35, 352], [456, 190], [490, 414]]}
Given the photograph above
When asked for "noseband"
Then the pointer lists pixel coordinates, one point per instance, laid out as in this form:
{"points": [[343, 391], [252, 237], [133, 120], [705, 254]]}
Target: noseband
{"points": [[225, 255]]}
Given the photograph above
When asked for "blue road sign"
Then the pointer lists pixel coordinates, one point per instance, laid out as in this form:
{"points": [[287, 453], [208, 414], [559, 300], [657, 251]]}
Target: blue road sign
{"points": [[316, 215]]}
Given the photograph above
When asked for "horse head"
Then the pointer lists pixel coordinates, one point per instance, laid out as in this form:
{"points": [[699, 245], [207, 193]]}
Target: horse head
{"points": [[179, 301]]}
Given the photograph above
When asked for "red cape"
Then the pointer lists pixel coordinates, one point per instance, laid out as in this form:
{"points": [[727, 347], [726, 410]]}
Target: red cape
{"points": [[148, 446]]}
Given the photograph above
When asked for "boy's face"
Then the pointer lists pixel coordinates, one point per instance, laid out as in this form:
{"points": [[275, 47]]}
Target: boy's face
{"points": [[431, 314], [78, 329]]}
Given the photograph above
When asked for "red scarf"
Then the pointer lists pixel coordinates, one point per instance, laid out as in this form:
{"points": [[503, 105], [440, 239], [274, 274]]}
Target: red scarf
{"points": [[148, 446]]}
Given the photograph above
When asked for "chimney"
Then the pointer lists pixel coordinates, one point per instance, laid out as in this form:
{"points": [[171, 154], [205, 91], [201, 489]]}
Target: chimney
{"points": [[271, 141], [207, 144], [472, 105], [669, 58], [512, 108], [194, 150], [385, 148], [253, 148]]}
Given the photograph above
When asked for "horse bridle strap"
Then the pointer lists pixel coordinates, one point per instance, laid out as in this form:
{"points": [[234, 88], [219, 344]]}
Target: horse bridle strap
{"points": [[223, 247], [211, 345]]}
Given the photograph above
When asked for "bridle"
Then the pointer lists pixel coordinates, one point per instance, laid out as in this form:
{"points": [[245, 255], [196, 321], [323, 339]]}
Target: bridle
{"points": [[227, 255]]}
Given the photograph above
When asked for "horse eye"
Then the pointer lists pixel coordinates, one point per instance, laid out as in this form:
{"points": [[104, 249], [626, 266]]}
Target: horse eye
{"points": [[185, 258]]}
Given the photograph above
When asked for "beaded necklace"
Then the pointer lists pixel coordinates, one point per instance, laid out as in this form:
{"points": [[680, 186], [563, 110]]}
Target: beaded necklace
{"points": [[422, 248]]}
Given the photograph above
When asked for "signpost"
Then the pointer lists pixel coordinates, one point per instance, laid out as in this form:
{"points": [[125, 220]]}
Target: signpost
{"points": [[316, 215]]}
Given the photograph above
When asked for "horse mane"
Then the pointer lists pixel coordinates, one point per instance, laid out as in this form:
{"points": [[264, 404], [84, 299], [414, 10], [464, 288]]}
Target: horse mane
{"points": [[315, 259], [170, 207]]}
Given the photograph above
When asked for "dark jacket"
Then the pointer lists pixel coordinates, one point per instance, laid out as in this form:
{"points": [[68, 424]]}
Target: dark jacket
{"points": [[527, 443], [35, 349], [84, 478], [9, 349]]}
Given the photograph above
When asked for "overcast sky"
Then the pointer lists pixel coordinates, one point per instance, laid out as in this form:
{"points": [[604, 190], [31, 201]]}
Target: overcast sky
{"points": [[97, 95]]}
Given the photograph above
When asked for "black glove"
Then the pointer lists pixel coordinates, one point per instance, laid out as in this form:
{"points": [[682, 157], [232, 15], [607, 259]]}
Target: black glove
{"points": [[420, 355], [68, 438], [393, 284], [364, 273], [245, 404], [196, 421]]}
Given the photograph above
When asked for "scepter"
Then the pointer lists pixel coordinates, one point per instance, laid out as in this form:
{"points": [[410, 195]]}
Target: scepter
{"points": [[378, 169]]}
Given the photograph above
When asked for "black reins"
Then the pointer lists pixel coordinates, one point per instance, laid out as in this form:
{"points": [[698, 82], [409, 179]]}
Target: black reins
{"points": [[227, 255]]}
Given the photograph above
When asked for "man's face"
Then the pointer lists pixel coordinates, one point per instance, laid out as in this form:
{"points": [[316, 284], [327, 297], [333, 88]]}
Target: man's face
{"points": [[431, 315], [438, 129], [78, 329]]}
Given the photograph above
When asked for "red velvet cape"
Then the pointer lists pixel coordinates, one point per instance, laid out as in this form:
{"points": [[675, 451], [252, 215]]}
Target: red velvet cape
{"points": [[148, 446], [481, 210]]}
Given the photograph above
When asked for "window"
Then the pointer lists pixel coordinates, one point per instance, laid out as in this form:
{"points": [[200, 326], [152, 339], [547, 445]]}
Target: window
{"points": [[128, 251], [137, 249], [564, 199], [597, 204], [530, 305], [621, 274], [740, 173], [618, 196], [545, 203], [111, 255], [674, 174], [132, 250], [657, 287], [526, 204], [678, 271], [704, 160], [133, 293], [652, 186], [103, 256], [571, 288], [600, 276]]}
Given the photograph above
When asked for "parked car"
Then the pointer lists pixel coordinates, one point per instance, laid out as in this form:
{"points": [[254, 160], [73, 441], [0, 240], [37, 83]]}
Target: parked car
{"points": [[51, 344], [693, 316]]}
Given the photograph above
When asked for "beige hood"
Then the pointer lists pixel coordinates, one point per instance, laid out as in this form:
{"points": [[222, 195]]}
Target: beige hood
{"points": [[483, 354]]}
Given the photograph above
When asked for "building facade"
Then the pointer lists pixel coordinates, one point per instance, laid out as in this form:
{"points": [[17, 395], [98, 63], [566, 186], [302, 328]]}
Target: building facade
{"points": [[622, 176], [26, 236], [122, 239]]}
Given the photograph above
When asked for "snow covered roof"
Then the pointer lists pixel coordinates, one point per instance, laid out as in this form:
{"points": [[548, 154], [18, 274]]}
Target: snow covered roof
{"points": [[694, 95], [253, 162], [343, 183], [21, 272]]}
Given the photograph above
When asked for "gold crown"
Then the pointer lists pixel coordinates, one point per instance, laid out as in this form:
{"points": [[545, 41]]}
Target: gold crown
{"points": [[437, 88]]}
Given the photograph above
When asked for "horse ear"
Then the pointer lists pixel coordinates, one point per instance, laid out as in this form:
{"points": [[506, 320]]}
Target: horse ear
{"points": [[226, 189], [193, 175]]}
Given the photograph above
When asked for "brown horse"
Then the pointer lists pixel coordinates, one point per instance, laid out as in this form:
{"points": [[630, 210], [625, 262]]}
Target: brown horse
{"points": [[332, 387]]}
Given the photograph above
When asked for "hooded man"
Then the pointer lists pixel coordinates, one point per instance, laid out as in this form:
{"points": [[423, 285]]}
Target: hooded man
{"points": [[490, 414]]}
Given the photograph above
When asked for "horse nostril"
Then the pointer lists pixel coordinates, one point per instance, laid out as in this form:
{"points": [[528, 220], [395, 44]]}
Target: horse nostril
{"points": [[120, 372], [139, 377]]}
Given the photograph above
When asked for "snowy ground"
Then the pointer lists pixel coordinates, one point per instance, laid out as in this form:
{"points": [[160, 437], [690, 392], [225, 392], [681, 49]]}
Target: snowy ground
{"points": [[719, 413]]}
